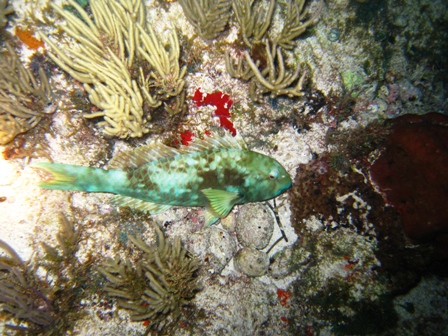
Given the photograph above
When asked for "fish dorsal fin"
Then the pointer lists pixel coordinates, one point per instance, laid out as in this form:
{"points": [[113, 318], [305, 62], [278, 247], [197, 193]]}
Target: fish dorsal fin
{"points": [[215, 141], [221, 201], [141, 205], [140, 156]]}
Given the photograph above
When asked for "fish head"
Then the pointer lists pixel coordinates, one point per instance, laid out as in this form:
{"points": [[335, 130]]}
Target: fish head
{"points": [[267, 179]]}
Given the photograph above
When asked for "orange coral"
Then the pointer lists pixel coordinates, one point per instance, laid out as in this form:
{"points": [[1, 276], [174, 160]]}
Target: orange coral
{"points": [[26, 36]]}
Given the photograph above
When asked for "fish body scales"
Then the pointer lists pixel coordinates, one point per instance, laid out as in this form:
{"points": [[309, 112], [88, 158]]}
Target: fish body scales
{"points": [[216, 172], [180, 180]]}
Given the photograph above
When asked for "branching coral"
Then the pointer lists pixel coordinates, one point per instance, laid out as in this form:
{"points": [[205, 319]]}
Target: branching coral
{"points": [[161, 282], [209, 17], [36, 305], [253, 21], [23, 99], [274, 79], [22, 294], [166, 76], [295, 23], [113, 72], [5, 10]]}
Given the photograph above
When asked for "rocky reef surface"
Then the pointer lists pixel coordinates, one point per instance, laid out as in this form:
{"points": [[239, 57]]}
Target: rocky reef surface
{"points": [[352, 102]]}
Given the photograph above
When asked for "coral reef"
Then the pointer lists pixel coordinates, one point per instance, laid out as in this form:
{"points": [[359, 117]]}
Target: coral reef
{"points": [[5, 10], [124, 67], [351, 244], [158, 286], [39, 305], [252, 20], [295, 24], [22, 294], [269, 73], [209, 17], [343, 265], [24, 100]]}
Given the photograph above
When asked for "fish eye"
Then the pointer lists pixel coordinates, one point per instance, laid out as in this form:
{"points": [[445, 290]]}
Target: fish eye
{"points": [[273, 174]]}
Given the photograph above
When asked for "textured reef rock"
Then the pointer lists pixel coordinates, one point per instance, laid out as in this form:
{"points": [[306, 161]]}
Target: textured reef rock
{"points": [[413, 173], [254, 225], [252, 262]]}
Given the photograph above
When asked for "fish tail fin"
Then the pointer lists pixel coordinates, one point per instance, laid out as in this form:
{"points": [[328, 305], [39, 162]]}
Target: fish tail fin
{"points": [[68, 177]]}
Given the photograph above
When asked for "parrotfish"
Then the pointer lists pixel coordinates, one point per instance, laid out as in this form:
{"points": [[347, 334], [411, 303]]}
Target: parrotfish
{"points": [[217, 173]]}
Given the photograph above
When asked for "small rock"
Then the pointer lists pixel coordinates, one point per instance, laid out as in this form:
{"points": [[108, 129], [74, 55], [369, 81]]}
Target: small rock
{"points": [[334, 35], [222, 246], [254, 225], [251, 262]]}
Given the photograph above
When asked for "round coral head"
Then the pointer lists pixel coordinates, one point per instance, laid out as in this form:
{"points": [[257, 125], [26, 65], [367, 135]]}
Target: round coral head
{"points": [[412, 172]]}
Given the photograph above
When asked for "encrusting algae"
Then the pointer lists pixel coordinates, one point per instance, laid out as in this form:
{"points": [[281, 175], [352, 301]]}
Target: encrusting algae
{"points": [[217, 172]]}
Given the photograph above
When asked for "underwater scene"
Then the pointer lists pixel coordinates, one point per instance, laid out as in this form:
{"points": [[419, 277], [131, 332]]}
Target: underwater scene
{"points": [[223, 167]]}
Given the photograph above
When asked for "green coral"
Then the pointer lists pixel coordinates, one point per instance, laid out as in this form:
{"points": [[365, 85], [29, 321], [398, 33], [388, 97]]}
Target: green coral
{"points": [[158, 285], [351, 79]]}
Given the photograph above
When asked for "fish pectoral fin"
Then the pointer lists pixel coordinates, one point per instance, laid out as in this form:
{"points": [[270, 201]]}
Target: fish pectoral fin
{"points": [[221, 201], [210, 217], [141, 205]]}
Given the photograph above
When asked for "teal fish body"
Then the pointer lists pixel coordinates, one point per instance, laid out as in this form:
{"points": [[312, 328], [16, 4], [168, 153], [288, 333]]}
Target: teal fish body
{"points": [[216, 173]]}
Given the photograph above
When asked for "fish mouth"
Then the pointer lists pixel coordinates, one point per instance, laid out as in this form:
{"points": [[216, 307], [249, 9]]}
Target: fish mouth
{"points": [[284, 189]]}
